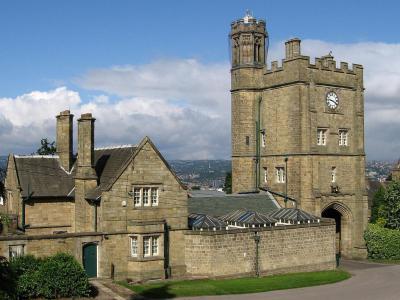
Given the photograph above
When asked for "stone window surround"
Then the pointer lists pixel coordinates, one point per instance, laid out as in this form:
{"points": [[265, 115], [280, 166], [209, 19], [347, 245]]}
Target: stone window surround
{"points": [[343, 139], [15, 249], [140, 247], [280, 173], [150, 202], [322, 136]]}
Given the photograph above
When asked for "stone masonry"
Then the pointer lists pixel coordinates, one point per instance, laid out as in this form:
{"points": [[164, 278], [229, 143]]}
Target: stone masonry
{"points": [[287, 106]]}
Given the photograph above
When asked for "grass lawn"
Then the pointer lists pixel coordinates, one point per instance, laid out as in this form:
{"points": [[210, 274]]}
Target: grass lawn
{"points": [[170, 289]]}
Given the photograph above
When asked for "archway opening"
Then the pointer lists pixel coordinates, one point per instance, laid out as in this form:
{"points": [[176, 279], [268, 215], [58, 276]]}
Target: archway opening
{"points": [[332, 213]]}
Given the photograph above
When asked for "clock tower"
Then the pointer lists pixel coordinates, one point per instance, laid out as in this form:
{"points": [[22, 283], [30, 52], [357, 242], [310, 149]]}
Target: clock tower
{"points": [[298, 130]]}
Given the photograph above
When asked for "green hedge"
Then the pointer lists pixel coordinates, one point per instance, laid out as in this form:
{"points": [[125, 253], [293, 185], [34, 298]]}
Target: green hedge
{"points": [[52, 277], [382, 243]]}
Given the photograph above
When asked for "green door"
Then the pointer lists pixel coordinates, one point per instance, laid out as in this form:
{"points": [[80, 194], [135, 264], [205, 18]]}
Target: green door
{"points": [[90, 259]]}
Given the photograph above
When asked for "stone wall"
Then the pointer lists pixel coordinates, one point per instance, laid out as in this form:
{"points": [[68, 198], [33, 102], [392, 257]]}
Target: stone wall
{"points": [[282, 249]]}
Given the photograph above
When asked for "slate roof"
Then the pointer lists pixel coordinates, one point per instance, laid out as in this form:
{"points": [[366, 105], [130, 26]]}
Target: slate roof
{"points": [[46, 178], [218, 206], [293, 215], [42, 176], [246, 218], [201, 221], [109, 162]]}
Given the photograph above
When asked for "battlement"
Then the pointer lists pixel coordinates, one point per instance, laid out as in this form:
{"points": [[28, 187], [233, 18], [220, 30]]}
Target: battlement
{"points": [[326, 62], [321, 63], [248, 23]]}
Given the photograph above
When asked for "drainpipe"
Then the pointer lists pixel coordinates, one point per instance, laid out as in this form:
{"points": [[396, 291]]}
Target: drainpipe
{"points": [[258, 131], [167, 268], [95, 216], [286, 181]]}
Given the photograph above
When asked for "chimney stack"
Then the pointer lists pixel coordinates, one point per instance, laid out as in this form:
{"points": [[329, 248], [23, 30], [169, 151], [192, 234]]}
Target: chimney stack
{"points": [[64, 137], [293, 48], [85, 164]]}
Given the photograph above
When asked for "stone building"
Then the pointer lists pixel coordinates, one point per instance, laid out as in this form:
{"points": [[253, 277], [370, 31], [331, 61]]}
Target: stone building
{"points": [[123, 213], [114, 208], [298, 130]]}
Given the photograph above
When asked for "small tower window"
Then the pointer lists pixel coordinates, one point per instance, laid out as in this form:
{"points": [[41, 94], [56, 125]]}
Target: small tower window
{"points": [[343, 137], [263, 140], [333, 175], [265, 175], [321, 136], [247, 140], [280, 174]]}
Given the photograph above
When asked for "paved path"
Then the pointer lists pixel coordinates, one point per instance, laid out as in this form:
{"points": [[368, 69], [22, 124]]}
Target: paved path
{"points": [[369, 282]]}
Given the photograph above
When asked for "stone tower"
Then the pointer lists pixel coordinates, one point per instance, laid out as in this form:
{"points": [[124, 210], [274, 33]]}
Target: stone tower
{"points": [[298, 129], [247, 37]]}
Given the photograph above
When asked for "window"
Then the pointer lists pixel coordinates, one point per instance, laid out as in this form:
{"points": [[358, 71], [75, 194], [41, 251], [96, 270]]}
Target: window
{"points": [[263, 140], [333, 174], [247, 140], [137, 199], [146, 245], [154, 246], [146, 196], [16, 251], [343, 137], [154, 196], [265, 175], [321, 136], [134, 246], [280, 174], [1, 200]]}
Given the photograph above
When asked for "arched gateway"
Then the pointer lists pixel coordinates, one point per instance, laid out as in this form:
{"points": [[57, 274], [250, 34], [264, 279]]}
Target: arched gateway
{"points": [[343, 218]]}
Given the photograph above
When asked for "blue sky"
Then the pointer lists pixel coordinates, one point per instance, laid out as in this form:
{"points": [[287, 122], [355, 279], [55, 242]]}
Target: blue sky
{"points": [[87, 47], [45, 43]]}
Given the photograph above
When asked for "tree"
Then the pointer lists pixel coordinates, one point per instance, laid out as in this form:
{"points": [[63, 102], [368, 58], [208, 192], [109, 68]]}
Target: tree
{"points": [[389, 210], [46, 148], [377, 203], [228, 183]]}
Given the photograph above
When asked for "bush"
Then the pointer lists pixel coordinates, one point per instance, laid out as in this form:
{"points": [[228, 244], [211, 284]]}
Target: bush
{"points": [[382, 243], [7, 280], [53, 277], [26, 270], [62, 276]]}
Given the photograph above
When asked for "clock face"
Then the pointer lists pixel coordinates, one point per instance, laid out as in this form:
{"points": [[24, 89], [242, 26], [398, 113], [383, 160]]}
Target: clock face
{"points": [[332, 100]]}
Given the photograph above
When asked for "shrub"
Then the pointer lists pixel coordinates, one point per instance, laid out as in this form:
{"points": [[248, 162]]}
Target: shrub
{"points": [[7, 280], [62, 276], [26, 270], [382, 243]]}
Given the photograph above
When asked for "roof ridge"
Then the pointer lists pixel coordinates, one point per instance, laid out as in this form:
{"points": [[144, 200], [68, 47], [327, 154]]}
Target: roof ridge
{"points": [[36, 156], [115, 147]]}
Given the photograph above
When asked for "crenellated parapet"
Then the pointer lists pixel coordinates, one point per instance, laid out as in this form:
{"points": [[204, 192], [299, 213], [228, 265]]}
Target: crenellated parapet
{"points": [[247, 38]]}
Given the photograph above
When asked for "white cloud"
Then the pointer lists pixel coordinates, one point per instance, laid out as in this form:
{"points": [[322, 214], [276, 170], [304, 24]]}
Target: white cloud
{"points": [[184, 105]]}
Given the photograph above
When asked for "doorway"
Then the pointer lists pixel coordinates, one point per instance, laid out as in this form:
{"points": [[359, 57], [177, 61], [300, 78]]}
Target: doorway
{"points": [[89, 257]]}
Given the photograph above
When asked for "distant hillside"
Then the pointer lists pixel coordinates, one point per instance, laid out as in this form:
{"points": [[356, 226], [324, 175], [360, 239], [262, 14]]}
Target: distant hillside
{"points": [[206, 173]]}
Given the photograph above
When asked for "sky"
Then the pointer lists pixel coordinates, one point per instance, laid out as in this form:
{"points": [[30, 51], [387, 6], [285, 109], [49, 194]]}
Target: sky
{"points": [[161, 68]]}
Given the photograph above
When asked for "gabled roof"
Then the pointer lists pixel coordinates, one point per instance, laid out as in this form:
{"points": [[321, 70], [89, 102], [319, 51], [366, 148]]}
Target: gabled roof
{"points": [[218, 206], [42, 176]]}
